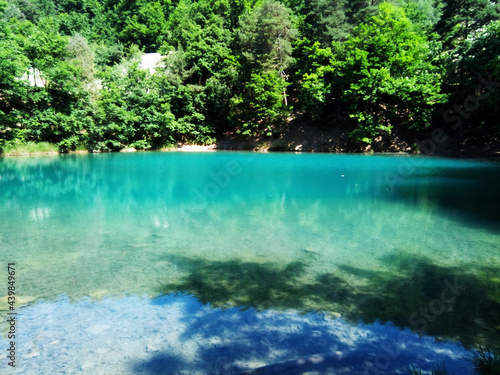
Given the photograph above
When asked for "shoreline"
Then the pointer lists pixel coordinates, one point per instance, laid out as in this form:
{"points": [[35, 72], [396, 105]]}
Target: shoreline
{"points": [[211, 148], [276, 146], [303, 137]]}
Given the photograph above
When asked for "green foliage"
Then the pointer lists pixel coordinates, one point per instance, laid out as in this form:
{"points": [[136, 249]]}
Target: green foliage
{"points": [[238, 65], [83, 57], [264, 41], [318, 83], [464, 18], [136, 109], [13, 64], [424, 14], [265, 37], [360, 10], [476, 74], [260, 109], [325, 21], [20, 10], [142, 22], [108, 54], [381, 79], [199, 55], [42, 44], [129, 111], [390, 82], [17, 147]]}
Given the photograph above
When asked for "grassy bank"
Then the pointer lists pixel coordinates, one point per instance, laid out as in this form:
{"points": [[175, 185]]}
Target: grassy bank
{"points": [[29, 148]]}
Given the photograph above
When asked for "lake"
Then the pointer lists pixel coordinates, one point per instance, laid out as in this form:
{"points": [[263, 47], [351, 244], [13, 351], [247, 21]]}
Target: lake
{"points": [[224, 262]]}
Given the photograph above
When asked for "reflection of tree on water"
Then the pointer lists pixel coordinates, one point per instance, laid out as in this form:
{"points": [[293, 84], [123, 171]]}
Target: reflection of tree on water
{"points": [[468, 194], [443, 302]]}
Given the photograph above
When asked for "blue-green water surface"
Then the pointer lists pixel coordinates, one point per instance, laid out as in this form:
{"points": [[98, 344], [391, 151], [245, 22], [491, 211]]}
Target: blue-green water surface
{"points": [[414, 241]]}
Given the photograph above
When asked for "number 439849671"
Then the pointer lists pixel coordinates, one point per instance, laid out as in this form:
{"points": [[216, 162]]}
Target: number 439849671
{"points": [[11, 285]]}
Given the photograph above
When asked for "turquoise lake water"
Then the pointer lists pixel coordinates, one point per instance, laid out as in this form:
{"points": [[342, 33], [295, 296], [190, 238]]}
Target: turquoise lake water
{"points": [[409, 243]]}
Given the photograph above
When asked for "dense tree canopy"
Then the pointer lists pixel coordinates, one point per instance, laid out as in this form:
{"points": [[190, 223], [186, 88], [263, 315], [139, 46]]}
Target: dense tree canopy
{"points": [[264, 43], [70, 70], [389, 79], [464, 18]]}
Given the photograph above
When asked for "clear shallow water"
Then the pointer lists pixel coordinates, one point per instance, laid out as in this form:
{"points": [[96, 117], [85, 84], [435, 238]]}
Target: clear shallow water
{"points": [[178, 335], [409, 240]]}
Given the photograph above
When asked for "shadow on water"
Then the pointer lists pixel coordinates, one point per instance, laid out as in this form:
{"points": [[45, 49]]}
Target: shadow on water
{"points": [[161, 364], [426, 298], [468, 194], [259, 285], [439, 301], [246, 343], [230, 341]]}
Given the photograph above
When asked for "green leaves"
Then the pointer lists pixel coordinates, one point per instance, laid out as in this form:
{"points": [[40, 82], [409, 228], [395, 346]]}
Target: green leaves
{"points": [[391, 82], [477, 75], [317, 89], [380, 81], [464, 18], [144, 24], [237, 65], [260, 109], [265, 37], [264, 43]]}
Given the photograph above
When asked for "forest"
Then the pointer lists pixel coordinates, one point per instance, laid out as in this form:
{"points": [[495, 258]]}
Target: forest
{"points": [[70, 71]]}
